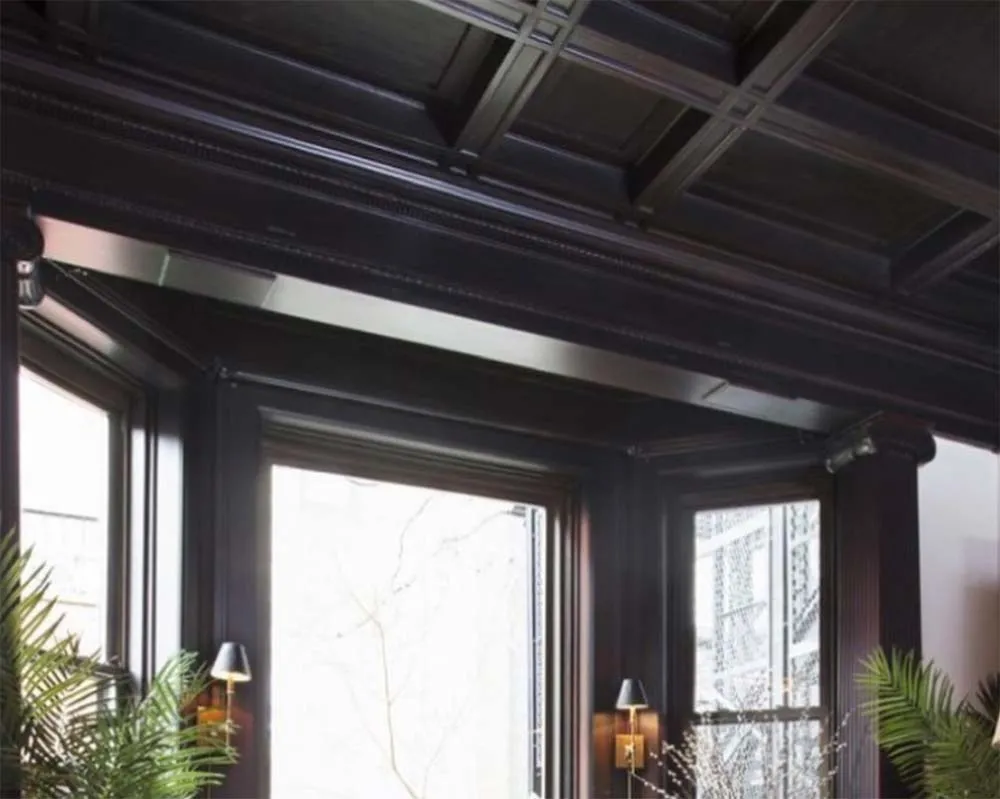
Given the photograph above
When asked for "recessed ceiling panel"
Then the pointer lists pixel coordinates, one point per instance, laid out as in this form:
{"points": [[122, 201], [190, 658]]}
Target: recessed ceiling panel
{"points": [[708, 18], [945, 52], [402, 46], [594, 114], [773, 175], [730, 20]]}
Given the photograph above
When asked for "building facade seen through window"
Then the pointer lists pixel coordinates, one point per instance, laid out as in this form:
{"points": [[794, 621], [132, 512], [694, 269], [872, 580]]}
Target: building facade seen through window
{"points": [[757, 661], [65, 480]]}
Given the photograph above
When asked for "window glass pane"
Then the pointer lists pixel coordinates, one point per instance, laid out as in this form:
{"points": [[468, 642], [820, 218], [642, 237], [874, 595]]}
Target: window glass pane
{"points": [[760, 760], [757, 607], [65, 450], [407, 641]]}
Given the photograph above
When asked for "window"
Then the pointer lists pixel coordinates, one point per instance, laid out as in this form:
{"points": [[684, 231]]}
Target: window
{"points": [[408, 641], [66, 480], [757, 625]]}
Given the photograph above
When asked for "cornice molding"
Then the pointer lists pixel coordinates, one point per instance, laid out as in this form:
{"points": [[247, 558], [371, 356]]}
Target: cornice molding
{"points": [[661, 261], [879, 435]]}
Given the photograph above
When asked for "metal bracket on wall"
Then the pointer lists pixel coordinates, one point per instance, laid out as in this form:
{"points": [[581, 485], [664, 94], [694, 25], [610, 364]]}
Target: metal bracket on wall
{"points": [[849, 446], [23, 244], [30, 289]]}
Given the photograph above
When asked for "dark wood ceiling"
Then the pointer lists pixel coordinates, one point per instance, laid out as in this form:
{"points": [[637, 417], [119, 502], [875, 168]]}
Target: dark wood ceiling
{"points": [[827, 170]]}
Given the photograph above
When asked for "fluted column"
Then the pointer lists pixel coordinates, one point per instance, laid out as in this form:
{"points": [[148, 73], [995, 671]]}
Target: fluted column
{"points": [[877, 563]]}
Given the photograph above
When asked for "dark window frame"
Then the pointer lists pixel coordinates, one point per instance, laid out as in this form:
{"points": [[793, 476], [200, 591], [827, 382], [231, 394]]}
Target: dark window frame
{"points": [[411, 463], [681, 502], [82, 375]]}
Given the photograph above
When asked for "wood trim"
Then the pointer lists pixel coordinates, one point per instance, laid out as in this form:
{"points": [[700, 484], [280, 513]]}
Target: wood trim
{"points": [[83, 374], [680, 501], [766, 359], [11, 250], [368, 454], [954, 245], [253, 427], [877, 583]]}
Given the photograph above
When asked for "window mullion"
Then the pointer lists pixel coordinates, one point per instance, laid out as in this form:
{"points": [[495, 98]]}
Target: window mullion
{"points": [[776, 573]]}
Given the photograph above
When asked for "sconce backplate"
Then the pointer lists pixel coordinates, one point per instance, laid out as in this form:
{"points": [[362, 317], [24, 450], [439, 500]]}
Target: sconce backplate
{"points": [[628, 747]]}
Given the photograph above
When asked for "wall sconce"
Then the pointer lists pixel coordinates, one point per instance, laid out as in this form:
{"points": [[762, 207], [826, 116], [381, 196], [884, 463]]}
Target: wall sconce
{"points": [[232, 666], [630, 749], [996, 735]]}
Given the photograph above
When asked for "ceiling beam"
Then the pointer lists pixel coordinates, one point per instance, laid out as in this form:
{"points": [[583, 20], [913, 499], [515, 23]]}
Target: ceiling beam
{"points": [[126, 339], [461, 267], [958, 242], [644, 48], [659, 256], [634, 44], [509, 75], [502, 17], [792, 36], [307, 300], [687, 150], [825, 120]]}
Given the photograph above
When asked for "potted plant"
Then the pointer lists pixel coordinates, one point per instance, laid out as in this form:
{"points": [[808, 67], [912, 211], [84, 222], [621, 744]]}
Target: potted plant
{"points": [[72, 728], [940, 747]]}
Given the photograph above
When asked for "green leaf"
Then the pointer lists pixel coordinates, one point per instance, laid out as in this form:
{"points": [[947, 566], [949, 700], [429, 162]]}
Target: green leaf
{"points": [[939, 747], [58, 732]]}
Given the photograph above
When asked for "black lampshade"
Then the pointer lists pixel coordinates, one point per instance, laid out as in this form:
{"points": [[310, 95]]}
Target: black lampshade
{"points": [[231, 663], [632, 695]]}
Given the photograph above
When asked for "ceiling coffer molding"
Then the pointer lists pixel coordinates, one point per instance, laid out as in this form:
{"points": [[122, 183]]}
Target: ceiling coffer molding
{"points": [[781, 194], [664, 261]]}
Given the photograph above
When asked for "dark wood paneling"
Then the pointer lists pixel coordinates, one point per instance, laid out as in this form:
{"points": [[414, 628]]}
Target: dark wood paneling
{"points": [[241, 542], [705, 71], [959, 60], [826, 121], [562, 112], [254, 345], [811, 186], [240, 587], [509, 77], [137, 348], [405, 46], [878, 578], [18, 240], [636, 45], [712, 19], [770, 58], [963, 239], [452, 272], [132, 36]]}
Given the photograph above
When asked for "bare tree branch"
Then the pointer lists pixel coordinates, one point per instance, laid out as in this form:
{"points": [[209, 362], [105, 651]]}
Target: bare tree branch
{"points": [[402, 540]]}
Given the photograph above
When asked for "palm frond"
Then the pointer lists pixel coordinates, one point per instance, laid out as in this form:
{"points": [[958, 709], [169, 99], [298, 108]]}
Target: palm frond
{"points": [[985, 706], [60, 731], [939, 748]]}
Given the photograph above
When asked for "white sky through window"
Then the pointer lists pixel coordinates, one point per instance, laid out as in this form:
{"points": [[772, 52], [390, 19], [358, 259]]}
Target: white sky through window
{"points": [[64, 449], [401, 643]]}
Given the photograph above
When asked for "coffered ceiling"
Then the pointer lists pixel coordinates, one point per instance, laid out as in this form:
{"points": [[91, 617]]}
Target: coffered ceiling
{"points": [[796, 197]]}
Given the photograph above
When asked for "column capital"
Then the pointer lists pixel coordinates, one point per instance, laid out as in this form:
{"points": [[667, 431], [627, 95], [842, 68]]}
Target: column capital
{"points": [[881, 434]]}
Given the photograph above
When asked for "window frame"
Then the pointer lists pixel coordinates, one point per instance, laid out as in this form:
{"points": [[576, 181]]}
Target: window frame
{"points": [[407, 462], [681, 504], [80, 374]]}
